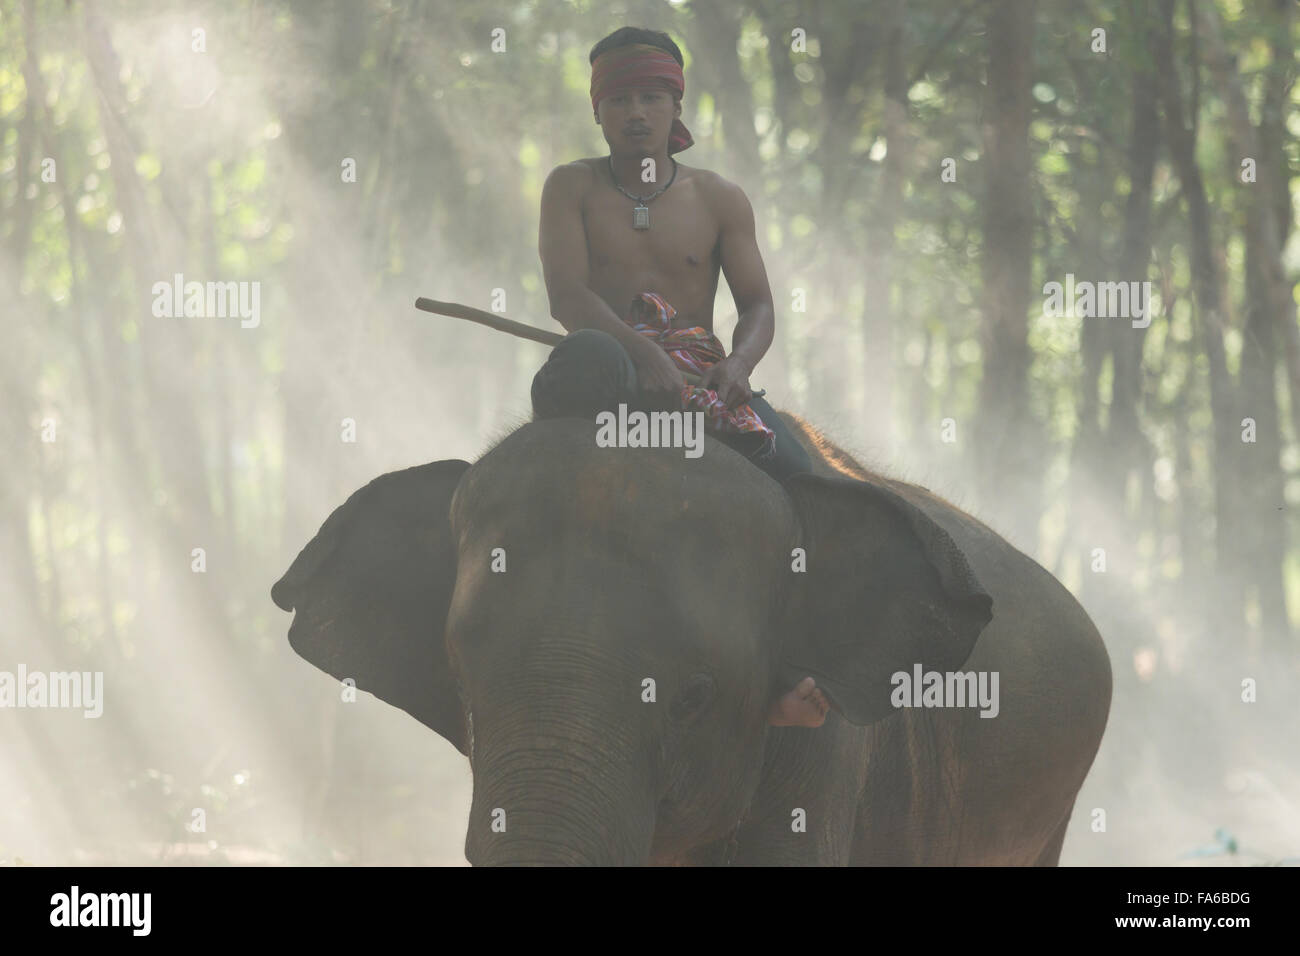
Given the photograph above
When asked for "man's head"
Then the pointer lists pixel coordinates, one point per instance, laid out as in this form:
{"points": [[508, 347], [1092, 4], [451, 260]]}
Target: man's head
{"points": [[636, 91]]}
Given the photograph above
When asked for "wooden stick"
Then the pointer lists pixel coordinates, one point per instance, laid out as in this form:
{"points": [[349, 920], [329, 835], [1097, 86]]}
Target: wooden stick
{"points": [[498, 322], [511, 327]]}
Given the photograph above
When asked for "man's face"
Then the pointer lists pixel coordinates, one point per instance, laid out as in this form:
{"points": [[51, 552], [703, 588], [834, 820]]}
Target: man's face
{"points": [[637, 120]]}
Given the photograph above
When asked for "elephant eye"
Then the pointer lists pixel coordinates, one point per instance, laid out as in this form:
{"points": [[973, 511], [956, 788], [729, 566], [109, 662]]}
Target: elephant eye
{"points": [[694, 697]]}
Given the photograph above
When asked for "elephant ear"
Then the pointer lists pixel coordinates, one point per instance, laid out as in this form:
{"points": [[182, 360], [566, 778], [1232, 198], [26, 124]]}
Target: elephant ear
{"points": [[885, 589], [370, 594]]}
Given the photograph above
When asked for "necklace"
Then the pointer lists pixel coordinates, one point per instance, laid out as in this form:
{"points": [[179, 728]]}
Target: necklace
{"points": [[641, 212]]}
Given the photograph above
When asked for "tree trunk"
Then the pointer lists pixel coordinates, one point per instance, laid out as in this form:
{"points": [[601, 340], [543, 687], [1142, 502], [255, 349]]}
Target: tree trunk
{"points": [[1207, 287], [1007, 439], [1270, 309], [879, 320]]}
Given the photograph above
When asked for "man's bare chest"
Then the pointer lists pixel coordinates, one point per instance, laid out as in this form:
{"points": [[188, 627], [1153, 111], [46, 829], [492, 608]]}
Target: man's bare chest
{"points": [[681, 241]]}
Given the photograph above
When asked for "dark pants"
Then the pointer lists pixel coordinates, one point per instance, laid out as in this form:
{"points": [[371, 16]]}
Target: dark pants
{"points": [[589, 371]]}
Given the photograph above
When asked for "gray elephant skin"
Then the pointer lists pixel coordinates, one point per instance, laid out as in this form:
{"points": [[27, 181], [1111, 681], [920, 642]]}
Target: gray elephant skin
{"points": [[611, 685]]}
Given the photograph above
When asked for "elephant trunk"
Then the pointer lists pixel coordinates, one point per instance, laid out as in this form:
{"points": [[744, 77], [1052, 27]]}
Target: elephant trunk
{"points": [[556, 796]]}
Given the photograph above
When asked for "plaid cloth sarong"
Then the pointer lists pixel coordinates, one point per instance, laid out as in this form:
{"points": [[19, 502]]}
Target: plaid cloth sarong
{"points": [[696, 350]]}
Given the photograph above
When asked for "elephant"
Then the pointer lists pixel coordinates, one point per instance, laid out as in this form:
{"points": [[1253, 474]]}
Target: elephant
{"points": [[601, 630]]}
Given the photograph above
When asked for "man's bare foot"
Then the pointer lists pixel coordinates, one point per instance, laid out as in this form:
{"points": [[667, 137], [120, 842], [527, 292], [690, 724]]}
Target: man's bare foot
{"points": [[805, 706]]}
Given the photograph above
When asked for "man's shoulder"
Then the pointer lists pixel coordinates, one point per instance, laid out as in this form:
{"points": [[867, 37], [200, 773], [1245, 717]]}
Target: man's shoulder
{"points": [[578, 171], [571, 179], [706, 180], [723, 196]]}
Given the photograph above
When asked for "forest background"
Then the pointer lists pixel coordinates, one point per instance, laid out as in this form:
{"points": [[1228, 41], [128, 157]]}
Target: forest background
{"points": [[920, 172]]}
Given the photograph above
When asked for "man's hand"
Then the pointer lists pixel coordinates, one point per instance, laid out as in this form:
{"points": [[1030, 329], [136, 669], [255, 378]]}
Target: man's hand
{"points": [[730, 379], [658, 376]]}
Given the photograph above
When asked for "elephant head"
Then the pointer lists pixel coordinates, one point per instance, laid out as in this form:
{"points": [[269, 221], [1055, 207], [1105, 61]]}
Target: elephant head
{"points": [[602, 630]]}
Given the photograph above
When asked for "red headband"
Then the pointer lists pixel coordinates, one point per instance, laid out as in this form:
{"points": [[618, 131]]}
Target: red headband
{"points": [[641, 65]]}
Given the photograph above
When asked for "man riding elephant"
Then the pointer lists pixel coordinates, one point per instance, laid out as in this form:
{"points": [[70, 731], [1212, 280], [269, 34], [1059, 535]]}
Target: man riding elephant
{"points": [[631, 247]]}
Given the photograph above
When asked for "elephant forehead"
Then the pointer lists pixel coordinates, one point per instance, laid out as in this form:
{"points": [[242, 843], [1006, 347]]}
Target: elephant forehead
{"points": [[550, 475]]}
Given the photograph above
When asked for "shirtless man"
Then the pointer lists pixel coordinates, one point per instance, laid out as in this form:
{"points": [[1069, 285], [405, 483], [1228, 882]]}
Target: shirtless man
{"points": [[601, 248]]}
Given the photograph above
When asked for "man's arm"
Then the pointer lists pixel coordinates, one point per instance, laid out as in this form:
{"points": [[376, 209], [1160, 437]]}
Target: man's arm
{"points": [[562, 245], [742, 264]]}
